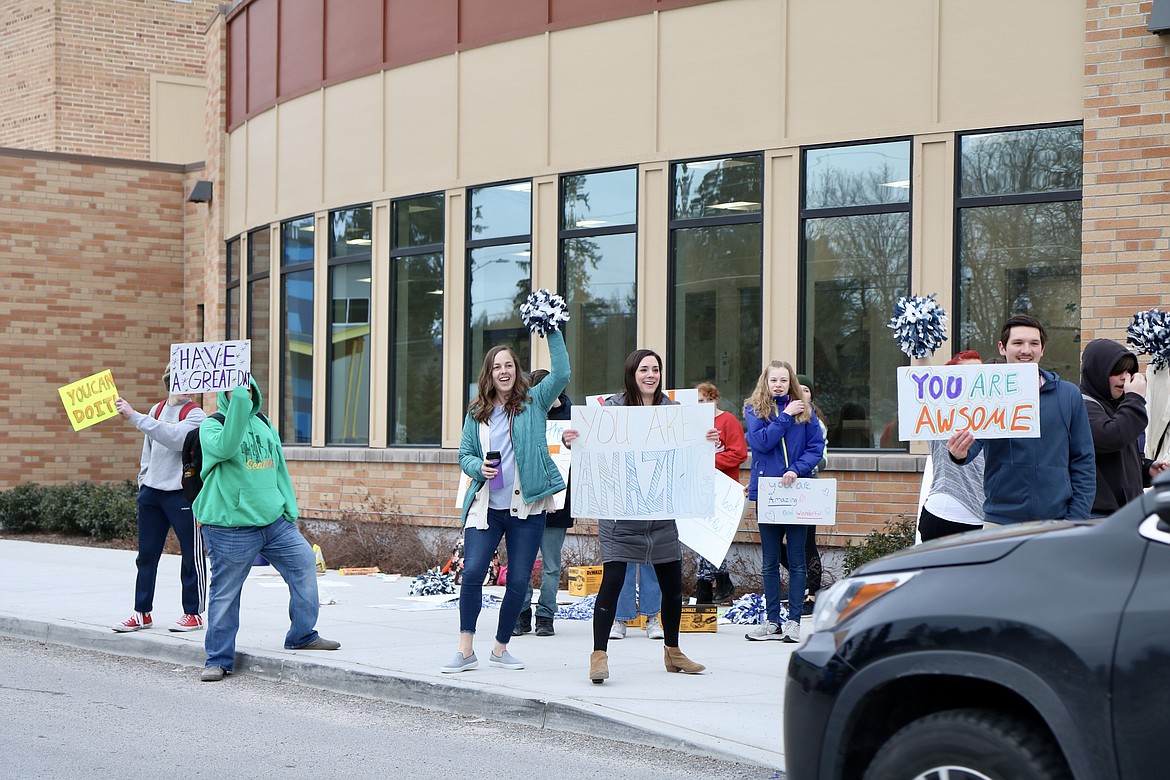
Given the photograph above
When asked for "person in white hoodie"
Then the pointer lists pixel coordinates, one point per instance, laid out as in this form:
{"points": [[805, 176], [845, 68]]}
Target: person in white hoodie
{"points": [[162, 507]]}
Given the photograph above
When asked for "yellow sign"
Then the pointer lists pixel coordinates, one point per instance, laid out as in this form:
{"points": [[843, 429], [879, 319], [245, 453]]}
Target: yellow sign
{"points": [[91, 400]]}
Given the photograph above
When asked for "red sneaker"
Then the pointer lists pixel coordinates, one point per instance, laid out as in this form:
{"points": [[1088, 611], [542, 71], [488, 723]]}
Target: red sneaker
{"points": [[188, 623], [136, 622]]}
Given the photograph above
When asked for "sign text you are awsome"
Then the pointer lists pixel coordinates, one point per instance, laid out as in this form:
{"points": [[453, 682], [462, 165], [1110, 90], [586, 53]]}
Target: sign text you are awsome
{"points": [[992, 401]]}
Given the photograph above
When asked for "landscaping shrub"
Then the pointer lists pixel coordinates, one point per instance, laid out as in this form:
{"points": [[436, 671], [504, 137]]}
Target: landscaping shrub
{"points": [[897, 535], [109, 510], [20, 508], [61, 507], [104, 511]]}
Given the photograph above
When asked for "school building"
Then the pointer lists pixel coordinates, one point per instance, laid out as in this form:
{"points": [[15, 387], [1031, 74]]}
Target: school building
{"points": [[367, 189]]}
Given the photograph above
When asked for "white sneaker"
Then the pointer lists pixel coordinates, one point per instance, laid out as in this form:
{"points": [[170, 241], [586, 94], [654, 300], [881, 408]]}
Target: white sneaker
{"points": [[618, 630], [791, 631], [765, 630], [654, 628]]}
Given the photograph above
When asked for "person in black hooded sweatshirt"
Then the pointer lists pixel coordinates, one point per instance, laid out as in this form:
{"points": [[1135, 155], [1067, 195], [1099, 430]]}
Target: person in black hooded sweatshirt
{"points": [[1115, 399]]}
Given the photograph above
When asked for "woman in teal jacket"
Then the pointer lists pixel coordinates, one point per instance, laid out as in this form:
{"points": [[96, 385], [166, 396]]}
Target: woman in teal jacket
{"points": [[508, 417]]}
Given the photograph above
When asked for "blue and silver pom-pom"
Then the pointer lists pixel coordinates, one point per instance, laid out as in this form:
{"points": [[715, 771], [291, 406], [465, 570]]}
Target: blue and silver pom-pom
{"points": [[432, 583], [543, 312], [1149, 334], [919, 325]]}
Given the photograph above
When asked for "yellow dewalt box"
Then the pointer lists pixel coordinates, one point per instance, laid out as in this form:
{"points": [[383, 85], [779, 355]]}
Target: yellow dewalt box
{"points": [[699, 617], [584, 580]]}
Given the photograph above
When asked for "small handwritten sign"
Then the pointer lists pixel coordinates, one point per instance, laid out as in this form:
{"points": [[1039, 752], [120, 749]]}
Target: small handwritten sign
{"points": [[210, 366], [643, 462], [560, 454], [711, 536], [993, 402], [804, 502], [90, 401]]}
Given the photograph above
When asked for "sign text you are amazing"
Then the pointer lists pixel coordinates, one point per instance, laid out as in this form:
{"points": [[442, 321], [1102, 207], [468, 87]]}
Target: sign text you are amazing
{"points": [[643, 462]]}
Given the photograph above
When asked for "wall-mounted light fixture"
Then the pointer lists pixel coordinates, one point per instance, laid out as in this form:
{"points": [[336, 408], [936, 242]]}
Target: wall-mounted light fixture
{"points": [[201, 193]]}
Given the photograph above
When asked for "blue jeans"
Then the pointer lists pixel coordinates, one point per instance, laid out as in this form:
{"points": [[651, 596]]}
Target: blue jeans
{"points": [[522, 540], [550, 573], [647, 594], [232, 551], [158, 512], [771, 535]]}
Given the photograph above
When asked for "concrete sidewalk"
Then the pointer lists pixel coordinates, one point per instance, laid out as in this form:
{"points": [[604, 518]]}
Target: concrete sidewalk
{"points": [[392, 650]]}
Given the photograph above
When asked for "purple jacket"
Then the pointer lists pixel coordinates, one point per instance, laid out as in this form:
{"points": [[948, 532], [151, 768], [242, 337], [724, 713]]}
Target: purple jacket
{"points": [[770, 439]]}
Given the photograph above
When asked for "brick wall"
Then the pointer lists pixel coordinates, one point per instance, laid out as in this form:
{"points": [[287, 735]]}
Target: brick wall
{"points": [[76, 75], [27, 78], [1126, 229], [92, 272], [425, 492]]}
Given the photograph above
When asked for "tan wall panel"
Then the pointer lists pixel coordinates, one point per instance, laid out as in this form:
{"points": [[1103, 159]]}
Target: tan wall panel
{"points": [[237, 182], [299, 155], [992, 73], [421, 126], [353, 139], [176, 119], [721, 78], [780, 290], [932, 223], [503, 102], [261, 207], [858, 69], [653, 247], [601, 93]]}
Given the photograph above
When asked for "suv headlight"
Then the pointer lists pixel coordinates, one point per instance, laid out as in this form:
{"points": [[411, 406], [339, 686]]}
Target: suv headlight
{"points": [[847, 596]]}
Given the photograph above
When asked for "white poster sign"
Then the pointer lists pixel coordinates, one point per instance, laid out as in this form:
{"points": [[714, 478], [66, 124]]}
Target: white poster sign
{"points": [[560, 455], [210, 366], [995, 402], [643, 462], [712, 536], [804, 502]]}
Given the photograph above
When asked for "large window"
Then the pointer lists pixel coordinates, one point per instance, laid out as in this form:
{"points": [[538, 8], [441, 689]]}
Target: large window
{"points": [[259, 307], [231, 314], [416, 320], [1018, 235], [716, 260], [598, 256], [296, 346], [499, 273], [348, 393], [855, 218]]}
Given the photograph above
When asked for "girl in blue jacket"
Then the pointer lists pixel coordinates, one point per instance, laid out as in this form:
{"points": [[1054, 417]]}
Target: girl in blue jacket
{"points": [[787, 442]]}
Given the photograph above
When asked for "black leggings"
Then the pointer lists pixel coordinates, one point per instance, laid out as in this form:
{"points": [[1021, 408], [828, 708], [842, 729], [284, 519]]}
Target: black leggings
{"points": [[614, 576]]}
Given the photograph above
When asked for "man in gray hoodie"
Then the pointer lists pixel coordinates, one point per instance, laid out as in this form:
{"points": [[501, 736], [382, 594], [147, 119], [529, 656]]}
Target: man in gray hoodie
{"points": [[161, 507]]}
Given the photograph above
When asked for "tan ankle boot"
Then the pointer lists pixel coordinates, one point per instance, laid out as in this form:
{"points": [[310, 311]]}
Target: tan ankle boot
{"points": [[598, 667], [677, 662]]}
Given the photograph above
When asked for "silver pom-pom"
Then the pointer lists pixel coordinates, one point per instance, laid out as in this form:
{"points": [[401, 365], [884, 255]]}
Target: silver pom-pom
{"points": [[543, 312], [1149, 334], [919, 325]]}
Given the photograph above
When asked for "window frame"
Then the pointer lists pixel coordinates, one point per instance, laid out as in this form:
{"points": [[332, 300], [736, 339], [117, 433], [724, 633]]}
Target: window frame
{"points": [[330, 263], [283, 270], [804, 213]]}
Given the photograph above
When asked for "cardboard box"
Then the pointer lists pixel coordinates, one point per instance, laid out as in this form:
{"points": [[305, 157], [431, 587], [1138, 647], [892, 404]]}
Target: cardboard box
{"points": [[584, 580], [699, 617]]}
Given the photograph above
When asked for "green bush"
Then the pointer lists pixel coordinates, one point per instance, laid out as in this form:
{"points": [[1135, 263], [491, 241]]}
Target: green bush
{"points": [[61, 507], [20, 508], [104, 511], [898, 535], [110, 510]]}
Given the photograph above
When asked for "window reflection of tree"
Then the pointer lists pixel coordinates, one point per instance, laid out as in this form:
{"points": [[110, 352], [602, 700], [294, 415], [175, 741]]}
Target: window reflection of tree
{"points": [[1021, 257], [859, 265]]}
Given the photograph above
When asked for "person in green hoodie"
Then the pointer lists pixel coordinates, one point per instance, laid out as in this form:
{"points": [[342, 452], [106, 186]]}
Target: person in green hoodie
{"points": [[247, 508]]}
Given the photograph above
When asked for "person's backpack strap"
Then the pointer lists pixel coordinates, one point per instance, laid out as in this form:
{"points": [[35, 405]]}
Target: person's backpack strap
{"points": [[156, 410], [188, 407]]}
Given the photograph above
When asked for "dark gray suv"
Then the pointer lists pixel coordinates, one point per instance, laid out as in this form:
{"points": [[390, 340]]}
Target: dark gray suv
{"points": [[1039, 650]]}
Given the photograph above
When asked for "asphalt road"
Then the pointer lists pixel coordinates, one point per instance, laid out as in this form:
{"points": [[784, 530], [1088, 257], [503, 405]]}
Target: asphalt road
{"points": [[71, 713]]}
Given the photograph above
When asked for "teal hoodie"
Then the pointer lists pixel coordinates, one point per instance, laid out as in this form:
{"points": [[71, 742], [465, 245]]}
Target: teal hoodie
{"points": [[245, 478]]}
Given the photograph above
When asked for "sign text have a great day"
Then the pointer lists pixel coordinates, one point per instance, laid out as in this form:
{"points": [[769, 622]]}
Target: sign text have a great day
{"points": [[210, 366], [992, 401]]}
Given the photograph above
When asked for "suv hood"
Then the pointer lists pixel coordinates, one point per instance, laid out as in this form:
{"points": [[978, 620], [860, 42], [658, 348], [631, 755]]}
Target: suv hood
{"points": [[972, 547]]}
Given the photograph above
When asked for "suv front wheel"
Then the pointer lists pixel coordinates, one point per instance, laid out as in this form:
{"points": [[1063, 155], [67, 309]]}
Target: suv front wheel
{"points": [[968, 744]]}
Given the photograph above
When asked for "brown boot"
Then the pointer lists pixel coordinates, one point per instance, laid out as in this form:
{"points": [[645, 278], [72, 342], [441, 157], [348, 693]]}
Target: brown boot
{"points": [[598, 667], [677, 662]]}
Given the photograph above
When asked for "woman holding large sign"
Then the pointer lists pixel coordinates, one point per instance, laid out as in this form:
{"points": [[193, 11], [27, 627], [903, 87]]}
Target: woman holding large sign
{"points": [[513, 480], [640, 541], [787, 442]]}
